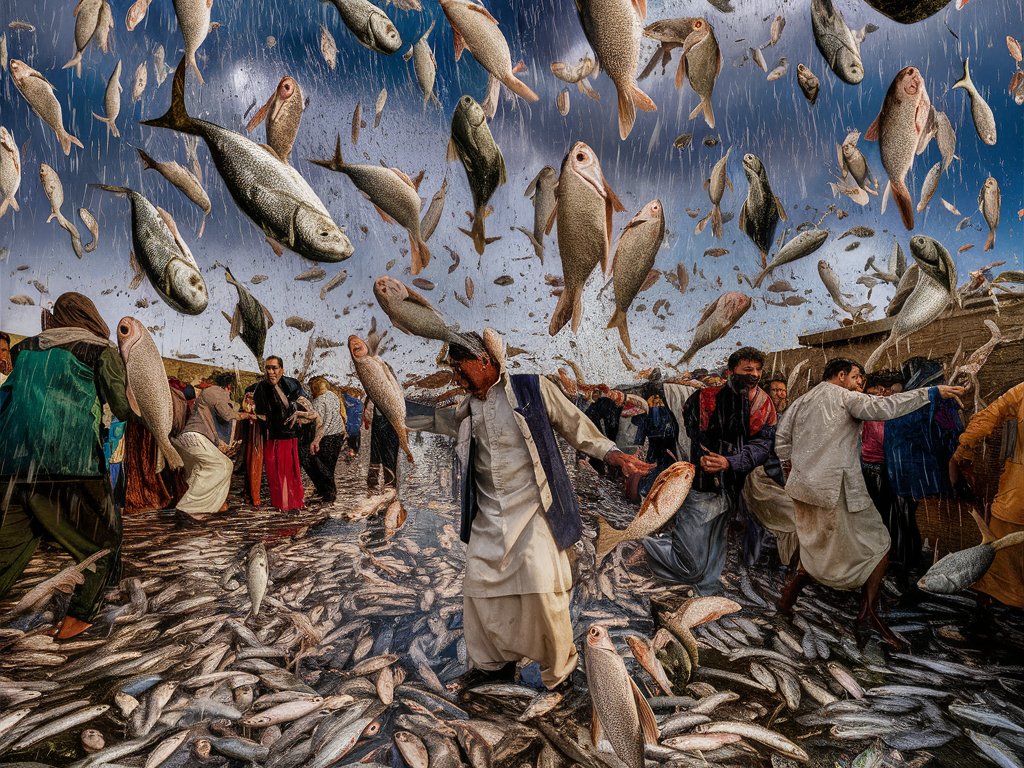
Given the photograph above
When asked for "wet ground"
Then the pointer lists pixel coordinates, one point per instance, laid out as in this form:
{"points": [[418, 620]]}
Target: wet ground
{"points": [[362, 617]]}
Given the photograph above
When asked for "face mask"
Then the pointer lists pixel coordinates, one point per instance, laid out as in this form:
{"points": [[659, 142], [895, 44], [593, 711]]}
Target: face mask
{"points": [[744, 380]]}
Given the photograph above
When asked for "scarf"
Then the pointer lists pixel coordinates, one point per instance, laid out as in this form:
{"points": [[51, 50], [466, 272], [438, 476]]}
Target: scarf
{"points": [[73, 310]]}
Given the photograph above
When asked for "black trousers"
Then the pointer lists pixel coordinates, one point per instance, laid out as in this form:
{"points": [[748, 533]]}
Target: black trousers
{"points": [[898, 514], [383, 449], [321, 466]]}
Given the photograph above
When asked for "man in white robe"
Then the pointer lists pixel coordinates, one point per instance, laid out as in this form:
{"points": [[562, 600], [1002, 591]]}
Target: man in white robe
{"points": [[843, 542]]}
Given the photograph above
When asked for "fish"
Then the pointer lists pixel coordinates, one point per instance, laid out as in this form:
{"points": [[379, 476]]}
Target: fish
{"points": [[836, 42], [578, 75], [39, 93], [10, 171], [357, 122], [300, 324], [562, 102], [411, 313], [311, 275], [718, 317], [382, 387], [633, 260], [92, 226], [473, 145], [333, 283], [620, 710], [370, 25], [394, 195], [945, 137], [112, 102], [646, 658], [424, 66], [683, 140], [929, 185], [65, 582], [957, 571], [758, 733], [3, 51], [378, 106], [183, 179], [612, 27], [257, 575], [780, 71], [808, 82], [758, 59], [1013, 46], [328, 48], [475, 29], [935, 288], [988, 204], [194, 22], [148, 392], [541, 191], [269, 191], [54, 190], [250, 320], [23, 300], [761, 211], [715, 185], [584, 204], [852, 162], [136, 14], [903, 128], [283, 113], [804, 244], [700, 60], [778, 24], [432, 217], [831, 282], [664, 499], [981, 112], [87, 19], [1016, 87], [160, 68], [159, 252]]}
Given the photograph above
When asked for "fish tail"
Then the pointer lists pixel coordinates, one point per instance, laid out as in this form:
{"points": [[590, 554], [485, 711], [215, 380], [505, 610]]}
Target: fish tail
{"points": [[202, 226], [869, 366], [176, 117], [716, 221], [564, 310], [195, 66], [76, 62], [704, 105], [420, 253], [607, 539], [760, 279], [122, 191], [620, 323], [147, 161], [642, 101], [627, 113], [965, 81], [519, 88], [901, 196], [336, 163], [991, 241]]}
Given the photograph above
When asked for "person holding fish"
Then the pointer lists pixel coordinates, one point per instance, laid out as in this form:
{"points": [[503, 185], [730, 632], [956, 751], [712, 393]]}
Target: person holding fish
{"points": [[56, 440], [1005, 578], [519, 511]]}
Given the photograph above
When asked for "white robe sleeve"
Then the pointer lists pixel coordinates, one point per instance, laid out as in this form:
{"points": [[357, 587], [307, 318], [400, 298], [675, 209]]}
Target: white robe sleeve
{"points": [[571, 423], [869, 408]]}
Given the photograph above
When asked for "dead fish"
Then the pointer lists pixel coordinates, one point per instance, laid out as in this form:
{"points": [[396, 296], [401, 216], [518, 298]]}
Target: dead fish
{"points": [[957, 571], [23, 300], [928, 187], [584, 206], [283, 113], [333, 283], [715, 186], [87, 19], [184, 180], [328, 48], [473, 27], [39, 94], [804, 244], [112, 102], [683, 140], [945, 137], [424, 66], [758, 59], [853, 163], [700, 60], [984, 120], [836, 42], [382, 387], [780, 71], [93, 228], [136, 13], [761, 211], [300, 323], [378, 107], [949, 206], [562, 102], [54, 191], [411, 313], [541, 191], [504, 280], [717, 319], [423, 284], [10, 171], [473, 145], [664, 499], [250, 320], [988, 204], [612, 27], [357, 121], [194, 23], [64, 582], [139, 81], [312, 275], [432, 217], [903, 128], [633, 260], [808, 82]]}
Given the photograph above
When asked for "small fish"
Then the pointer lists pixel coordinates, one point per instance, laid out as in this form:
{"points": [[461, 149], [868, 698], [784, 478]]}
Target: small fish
{"points": [[136, 13], [139, 80], [371, 26], [562, 102], [184, 180], [700, 61], [432, 217], [112, 102], [54, 190], [425, 67], [758, 58], [853, 163], [683, 140], [413, 314], [22, 300], [504, 280], [988, 204], [300, 323], [717, 319], [194, 23], [328, 48], [423, 284], [715, 185], [541, 191], [804, 244], [928, 187], [283, 113], [1013, 46], [22, 25], [716, 252], [1016, 87], [10, 171], [331, 284], [257, 576], [984, 120], [92, 226], [382, 387], [474, 146], [357, 122], [87, 19], [778, 24], [378, 107], [949, 206], [808, 82], [250, 320], [836, 42], [39, 94], [312, 275], [780, 71], [761, 210]]}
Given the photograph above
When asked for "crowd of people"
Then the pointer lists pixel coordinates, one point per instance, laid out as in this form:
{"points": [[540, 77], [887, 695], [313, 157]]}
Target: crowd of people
{"points": [[826, 483]]}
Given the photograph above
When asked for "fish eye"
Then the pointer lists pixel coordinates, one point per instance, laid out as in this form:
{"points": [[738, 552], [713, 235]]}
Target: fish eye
{"points": [[698, 24], [581, 156], [325, 233], [123, 329], [195, 280]]}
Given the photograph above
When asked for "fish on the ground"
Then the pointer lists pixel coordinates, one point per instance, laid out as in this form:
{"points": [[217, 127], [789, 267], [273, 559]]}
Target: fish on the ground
{"points": [[836, 42], [149, 394], [761, 211], [283, 113], [269, 191], [981, 112], [717, 319], [700, 60], [394, 195], [160, 253], [584, 205], [183, 179], [612, 27], [903, 128], [988, 204], [957, 571], [473, 145], [112, 102], [633, 260], [39, 94], [382, 387], [64, 582]]}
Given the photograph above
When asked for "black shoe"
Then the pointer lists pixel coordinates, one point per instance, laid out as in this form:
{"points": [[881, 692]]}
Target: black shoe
{"points": [[476, 677]]}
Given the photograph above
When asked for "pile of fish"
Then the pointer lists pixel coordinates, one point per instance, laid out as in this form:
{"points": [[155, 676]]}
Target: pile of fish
{"points": [[331, 639]]}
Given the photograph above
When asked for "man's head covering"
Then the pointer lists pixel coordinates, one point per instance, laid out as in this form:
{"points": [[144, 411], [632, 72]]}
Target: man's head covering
{"points": [[74, 310]]}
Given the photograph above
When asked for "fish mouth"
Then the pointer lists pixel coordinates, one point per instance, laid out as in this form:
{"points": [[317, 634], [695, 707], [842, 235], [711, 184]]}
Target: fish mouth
{"points": [[912, 82]]}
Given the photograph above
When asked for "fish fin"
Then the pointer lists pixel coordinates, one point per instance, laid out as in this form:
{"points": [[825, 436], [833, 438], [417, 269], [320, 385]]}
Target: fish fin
{"points": [[384, 216], [871, 134], [420, 254], [266, 314], [276, 246], [177, 117], [642, 101], [595, 726], [991, 240], [519, 67], [236, 323], [742, 221], [619, 321], [538, 246], [159, 461], [137, 273], [564, 311], [132, 402], [613, 198], [518, 87], [965, 81], [640, 6], [1009, 540], [759, 279], [782, 211], [651, 64], [627, 113], [648, 723], [987, 537], [261, 114], [417, 297], [885, 195], [901, 196], [606, 535], [701, 224], [336, 163], [458, 42], [716, 221], [729, 184], [531, 188], [551, 219], [481, 10], [452, 152]]}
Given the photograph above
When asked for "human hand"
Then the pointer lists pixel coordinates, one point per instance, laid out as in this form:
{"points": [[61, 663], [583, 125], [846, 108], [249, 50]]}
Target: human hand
{"points": [[627, 464], [314, 448], [713, 462], [947, 392]]}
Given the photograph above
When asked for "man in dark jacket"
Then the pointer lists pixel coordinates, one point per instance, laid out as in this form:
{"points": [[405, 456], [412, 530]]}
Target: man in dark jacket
{"points": [[276, 398], [730, 429]]}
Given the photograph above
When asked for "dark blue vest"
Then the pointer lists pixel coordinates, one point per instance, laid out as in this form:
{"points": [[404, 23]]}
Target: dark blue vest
{"points": [[564, 513]]}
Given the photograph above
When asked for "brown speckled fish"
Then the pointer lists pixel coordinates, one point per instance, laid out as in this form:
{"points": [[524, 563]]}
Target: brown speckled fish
{"points": [[283, 112]]}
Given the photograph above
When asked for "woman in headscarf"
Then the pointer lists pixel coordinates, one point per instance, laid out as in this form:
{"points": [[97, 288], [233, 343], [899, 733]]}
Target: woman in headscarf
{"points": [[51, 451]]}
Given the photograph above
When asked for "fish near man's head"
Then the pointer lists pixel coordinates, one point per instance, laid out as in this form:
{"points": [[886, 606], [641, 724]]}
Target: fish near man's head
{"points": [[318, 233], [474, 369], [186, 288], [129, 332], [357, 348], [933, 259]]}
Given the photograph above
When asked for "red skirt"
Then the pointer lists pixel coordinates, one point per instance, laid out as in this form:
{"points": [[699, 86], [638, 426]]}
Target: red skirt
{"points": [[281, 459]]}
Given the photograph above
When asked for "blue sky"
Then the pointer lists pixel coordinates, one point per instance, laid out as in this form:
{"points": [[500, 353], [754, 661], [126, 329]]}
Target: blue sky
{"points": [[771, 119]]}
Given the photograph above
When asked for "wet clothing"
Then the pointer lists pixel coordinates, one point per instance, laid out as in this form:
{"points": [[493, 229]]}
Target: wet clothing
{"points": [[898, 515], [660, 429], [69, 498], [322, 465], [918, 448], [145, 488], [726, 421], [872, 436], [207, 472], [604, 414], [332, 414], [353, 421], [278, 404], [383, 449], [841, 533], [280, 444], [767, 500]]}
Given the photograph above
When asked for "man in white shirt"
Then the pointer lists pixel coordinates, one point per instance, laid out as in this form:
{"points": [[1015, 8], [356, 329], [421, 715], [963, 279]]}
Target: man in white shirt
{"points": [[843, 542], [520, 513]]}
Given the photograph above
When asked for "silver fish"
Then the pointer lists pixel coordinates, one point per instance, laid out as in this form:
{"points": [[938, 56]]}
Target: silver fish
{"points": [[928, 187], [836, 42], [808, 82], [804, 244], [425, 67], [717, 319], [112, 102], [183, 179], [988, 204], [38, 92], [250, 320], [194, 22], [10, 171], [984, 120], [541, 191], [761, 211], [633, 260]]}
